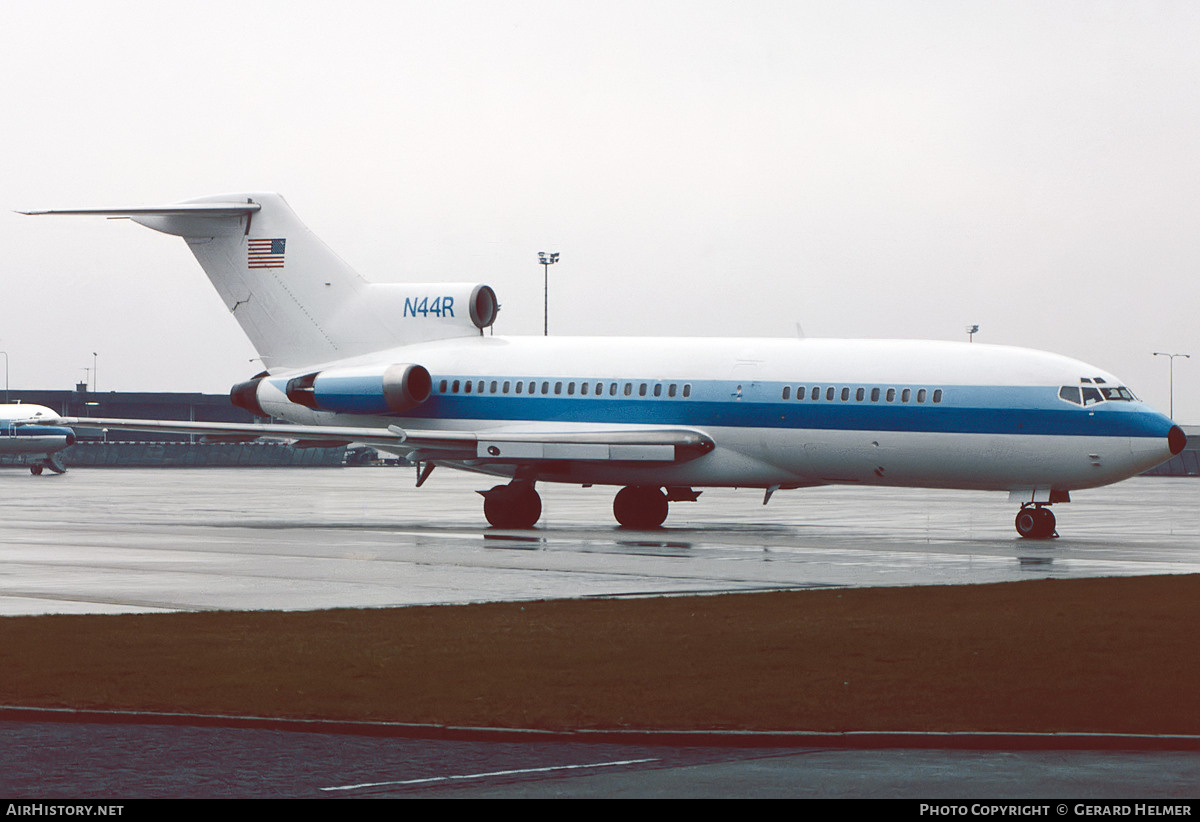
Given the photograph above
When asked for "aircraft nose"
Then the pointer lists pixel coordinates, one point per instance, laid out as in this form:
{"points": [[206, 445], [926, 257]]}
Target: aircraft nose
{"points": [[1176, 439]]}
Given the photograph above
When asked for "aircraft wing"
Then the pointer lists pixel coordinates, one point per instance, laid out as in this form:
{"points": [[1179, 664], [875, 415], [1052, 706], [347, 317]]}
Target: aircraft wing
{"points": [[497, 445]]}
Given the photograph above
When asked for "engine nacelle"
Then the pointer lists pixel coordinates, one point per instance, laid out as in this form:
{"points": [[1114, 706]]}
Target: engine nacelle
{"points": [[416, 312], [368, 389], [245, 395]]}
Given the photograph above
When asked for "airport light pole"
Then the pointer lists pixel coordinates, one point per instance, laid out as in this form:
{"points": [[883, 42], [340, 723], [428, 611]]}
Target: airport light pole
{"points": [[972, 330], [1171, 357], [5, 353], [546, 260]]}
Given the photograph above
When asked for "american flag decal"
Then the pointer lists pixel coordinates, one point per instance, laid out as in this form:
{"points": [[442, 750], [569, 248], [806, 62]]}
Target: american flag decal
{"points": [[265, 253]]}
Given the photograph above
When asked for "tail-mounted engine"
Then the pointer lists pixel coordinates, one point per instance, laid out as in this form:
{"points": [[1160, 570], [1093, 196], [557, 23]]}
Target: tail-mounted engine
{"points": [[370, 389]]}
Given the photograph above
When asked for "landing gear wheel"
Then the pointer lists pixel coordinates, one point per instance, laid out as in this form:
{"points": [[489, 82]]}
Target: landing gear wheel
{"points": [[512, 506], [1035, 523], [640, 506], [36, 470]]}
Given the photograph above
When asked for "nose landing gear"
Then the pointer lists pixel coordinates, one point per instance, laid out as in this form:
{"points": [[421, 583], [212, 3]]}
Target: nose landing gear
{"points": [[1035, 522], [51, 462]]}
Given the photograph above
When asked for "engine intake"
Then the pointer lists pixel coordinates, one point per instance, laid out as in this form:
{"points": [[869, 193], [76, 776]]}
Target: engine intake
{"points": [[244, 395], [484, 306]]}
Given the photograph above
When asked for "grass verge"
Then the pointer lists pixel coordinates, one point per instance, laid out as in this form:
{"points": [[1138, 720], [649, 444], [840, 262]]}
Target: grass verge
{"points": [[1097, 655]]}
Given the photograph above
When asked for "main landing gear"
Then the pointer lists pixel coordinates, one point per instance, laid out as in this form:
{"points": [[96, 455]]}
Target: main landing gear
{"points": [[518, 505], [640, 506], [1035, 522]]}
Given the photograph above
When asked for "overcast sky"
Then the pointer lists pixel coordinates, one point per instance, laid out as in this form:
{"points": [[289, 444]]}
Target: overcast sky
{"points": [[864, 169]]}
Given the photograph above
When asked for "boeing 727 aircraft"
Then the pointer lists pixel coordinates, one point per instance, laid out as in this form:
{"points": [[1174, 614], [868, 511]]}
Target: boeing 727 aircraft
{"points": [[406, 368], [34, 429]]}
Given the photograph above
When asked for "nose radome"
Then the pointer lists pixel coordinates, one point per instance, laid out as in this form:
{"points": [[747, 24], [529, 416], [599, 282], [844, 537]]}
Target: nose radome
{"points": [[1176, 439]]}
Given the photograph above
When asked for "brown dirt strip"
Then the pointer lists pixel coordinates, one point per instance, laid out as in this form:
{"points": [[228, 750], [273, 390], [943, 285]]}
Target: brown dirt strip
{"points": [[1069, 656]]}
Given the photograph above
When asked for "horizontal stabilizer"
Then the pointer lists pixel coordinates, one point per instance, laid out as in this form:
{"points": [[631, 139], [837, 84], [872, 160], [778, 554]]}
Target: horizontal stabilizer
{"points": [[176, 210]]}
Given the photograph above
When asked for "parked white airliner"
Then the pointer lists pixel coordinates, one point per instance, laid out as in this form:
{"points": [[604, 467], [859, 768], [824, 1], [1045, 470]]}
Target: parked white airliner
{"points": [[34, 429], [407, 368]]}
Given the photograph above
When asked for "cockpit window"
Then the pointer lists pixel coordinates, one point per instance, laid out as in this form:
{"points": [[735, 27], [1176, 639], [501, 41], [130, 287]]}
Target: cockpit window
{"points": [[1091, 394], [1070, 393]]}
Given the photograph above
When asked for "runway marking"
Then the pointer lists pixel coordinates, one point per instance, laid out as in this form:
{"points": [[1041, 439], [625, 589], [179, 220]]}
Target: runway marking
{"points": [[433, 779]]}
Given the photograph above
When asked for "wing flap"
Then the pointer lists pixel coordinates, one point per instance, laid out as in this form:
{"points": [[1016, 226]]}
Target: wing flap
{"points": [[591, 452]]}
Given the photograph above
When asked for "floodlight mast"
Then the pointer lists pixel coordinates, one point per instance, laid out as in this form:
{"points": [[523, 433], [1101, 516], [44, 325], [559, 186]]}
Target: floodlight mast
{"points": [[546, 261], [1171, 357]]}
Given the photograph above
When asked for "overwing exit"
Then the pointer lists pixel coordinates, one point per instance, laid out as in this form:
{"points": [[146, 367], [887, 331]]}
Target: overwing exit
{"points": [[407, 369]]}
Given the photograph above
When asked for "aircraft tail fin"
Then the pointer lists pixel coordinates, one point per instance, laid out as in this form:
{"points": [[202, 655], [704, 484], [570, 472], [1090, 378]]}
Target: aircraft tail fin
{"points": [[298, 302]]}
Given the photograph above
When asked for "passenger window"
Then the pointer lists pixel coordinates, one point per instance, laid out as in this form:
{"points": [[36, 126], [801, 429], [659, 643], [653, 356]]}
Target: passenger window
{"points": [[816, 392], [860, 394], [937, 395], [829, 393], [891, 395], [546, 388], [906, 395], [642, 390], [442, 387], [799, 392], [671, 390], [845, 394], [787, 392], [687, 390], [454, 387], [874, 395], [658, 389], [921, 395]]}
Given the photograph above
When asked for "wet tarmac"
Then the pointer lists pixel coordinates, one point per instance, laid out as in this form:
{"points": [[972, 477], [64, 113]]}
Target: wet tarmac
{"points": [[145, 540], [82, 760]]}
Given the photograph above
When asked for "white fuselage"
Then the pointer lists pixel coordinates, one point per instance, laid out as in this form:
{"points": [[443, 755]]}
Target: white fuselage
{"points": [[786, 412]]}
